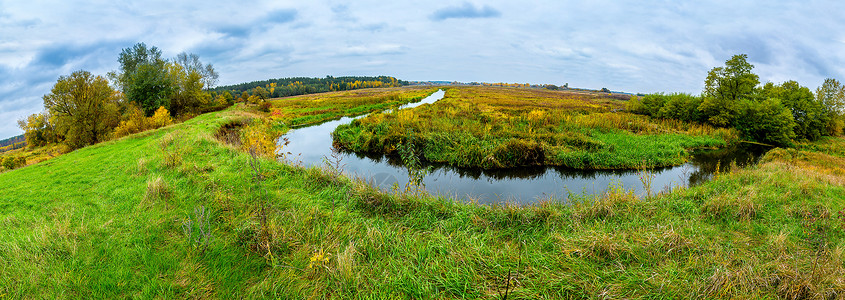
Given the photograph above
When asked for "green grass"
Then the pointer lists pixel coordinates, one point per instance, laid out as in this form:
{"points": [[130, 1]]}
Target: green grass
{"points": [[99, 223], [490, 127]]}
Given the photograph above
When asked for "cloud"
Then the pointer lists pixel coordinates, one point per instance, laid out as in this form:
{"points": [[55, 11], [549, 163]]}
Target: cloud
{"points": [[244, 29], [465, 11], [375, 50], [61, 54]]}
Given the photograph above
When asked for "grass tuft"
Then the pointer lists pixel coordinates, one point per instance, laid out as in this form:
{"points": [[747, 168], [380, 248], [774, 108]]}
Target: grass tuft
{"points": [[157, 189]]}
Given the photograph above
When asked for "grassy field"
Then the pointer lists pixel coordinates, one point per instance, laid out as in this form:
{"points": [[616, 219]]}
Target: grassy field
{"points": [[317, 108], [494, 127], [175, 213]]}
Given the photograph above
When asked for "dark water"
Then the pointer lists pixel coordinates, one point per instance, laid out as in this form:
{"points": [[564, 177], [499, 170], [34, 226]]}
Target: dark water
{"points": [[312, 146]]}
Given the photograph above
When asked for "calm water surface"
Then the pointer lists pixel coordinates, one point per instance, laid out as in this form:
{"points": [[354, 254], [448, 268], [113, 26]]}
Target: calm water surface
{"points": [[311, 146]]}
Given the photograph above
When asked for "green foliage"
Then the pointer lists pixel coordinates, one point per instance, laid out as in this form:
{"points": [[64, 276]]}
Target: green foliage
{"points": [[767, 121], [725, 87], [85, 108], [682, 107], [831, 95], [152, 82], [143, 77], [811, 120], [732, 99]]}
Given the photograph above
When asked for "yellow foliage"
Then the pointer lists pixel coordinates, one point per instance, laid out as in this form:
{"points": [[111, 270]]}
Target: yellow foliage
{"points": [[134, 123], [256, 139], [160, 118]]}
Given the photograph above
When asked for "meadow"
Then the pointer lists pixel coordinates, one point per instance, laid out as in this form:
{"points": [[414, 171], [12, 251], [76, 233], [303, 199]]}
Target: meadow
{"points": [[184, 212], [317, 108], [498, 127]]}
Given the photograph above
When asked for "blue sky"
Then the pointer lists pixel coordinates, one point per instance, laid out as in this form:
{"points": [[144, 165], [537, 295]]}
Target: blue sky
{"points": [[634, 46]]}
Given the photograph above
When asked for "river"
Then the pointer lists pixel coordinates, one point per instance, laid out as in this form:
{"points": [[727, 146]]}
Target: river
{"points": [[312, 146]]}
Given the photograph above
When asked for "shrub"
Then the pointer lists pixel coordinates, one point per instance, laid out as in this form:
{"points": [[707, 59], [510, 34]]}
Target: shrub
{"points": [[264, 106], [11, 163], [767, 121], [135, 122], [160, 118]]}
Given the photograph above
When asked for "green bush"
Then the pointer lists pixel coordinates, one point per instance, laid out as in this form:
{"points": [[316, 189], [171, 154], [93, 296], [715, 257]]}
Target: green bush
{"points": [[767, 121]]}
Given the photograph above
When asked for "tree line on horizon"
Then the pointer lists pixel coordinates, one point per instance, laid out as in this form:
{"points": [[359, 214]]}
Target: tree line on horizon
{"points": [[777, 114], [293, 86]]}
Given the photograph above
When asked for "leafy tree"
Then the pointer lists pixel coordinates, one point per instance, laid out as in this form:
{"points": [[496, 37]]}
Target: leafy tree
{"points": [[810, 118], [151, 88], [766, 121], [681, 107], [85, 108], [134, 121], [38, 129], [260, 92], [191, 63], [724, 89], [228, 97], [187, 95], [143, 77], [831, 96]]}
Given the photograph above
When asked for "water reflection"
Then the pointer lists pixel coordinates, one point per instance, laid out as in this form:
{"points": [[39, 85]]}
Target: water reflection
{"points": [[311, 145]]}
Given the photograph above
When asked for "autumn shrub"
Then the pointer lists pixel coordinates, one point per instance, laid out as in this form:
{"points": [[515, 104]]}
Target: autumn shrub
{"points": [[134, 122], [12, 162], [160, 118]]}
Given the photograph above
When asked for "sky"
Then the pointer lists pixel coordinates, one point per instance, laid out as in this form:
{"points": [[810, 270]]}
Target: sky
{"points": [[632, 46]]}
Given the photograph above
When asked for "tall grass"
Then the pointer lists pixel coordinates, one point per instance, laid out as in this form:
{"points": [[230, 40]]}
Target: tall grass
{"points": [[502, 128], [72, 228]]}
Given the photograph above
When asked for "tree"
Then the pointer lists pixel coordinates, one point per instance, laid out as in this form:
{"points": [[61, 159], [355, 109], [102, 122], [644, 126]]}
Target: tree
{"points": [[766, 121], [143, 77], [187, 95], [85, 108], [191, 63], [260, 92], [831, 96], [38, 129], [725, 87], [810, 118]]}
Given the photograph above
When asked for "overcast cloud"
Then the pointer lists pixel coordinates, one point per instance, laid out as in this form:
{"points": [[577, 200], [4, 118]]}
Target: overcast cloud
{"points": [[633, 46]]}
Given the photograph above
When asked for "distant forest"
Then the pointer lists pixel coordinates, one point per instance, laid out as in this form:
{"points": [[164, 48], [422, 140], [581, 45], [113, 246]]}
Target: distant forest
{"points": [[12, 143], [306, 85]]}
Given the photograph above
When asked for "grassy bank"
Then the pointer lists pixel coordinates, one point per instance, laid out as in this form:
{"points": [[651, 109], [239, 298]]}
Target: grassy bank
{"points": [[491, 127], [174, 213]]}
